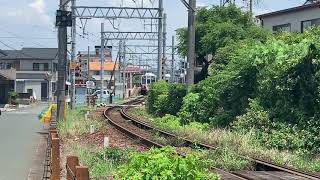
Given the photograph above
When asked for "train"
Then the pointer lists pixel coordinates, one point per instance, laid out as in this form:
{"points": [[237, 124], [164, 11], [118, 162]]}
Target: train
{"points": [[146, 81]]}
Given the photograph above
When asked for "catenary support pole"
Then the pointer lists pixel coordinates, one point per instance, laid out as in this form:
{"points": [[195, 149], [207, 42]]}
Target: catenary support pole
{"points": [[191, 42], [73, 56], [172, 62], [160, 36], [88, 65], [163, 71], [102, 61], [62, 54]]}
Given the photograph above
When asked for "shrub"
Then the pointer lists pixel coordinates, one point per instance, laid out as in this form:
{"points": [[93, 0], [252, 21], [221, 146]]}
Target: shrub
{"points": [[165, 163], [102, 163], [165, 98]]}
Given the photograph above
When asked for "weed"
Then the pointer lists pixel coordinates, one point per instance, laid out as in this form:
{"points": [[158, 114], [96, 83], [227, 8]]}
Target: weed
{"points": [[233, 143], [75, 123]]}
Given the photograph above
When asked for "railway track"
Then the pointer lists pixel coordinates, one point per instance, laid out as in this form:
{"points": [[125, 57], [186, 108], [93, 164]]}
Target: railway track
{"points": [[137, 129]]}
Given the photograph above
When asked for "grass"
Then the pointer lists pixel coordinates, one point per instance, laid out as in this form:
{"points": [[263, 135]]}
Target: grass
{"points": [[75, 123], [140, 111], [102, 163], [232, 144]]}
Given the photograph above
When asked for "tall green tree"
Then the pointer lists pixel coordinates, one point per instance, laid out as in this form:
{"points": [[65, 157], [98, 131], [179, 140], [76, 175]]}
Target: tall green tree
{"points": [[217, 27]]}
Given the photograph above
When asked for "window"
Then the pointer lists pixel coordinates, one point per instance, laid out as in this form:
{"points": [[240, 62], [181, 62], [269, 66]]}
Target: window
{"points": [[41, 66], [36, 66], [5, 65], [30, 92], [55, 67], [282, 28], [96, 73], [307, 24], [54, 87], [46, 66]]}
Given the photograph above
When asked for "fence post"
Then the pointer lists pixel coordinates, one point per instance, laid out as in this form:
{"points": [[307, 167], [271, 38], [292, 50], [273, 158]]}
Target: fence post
{"points": [[82, 173], [55, 157], [72, 162]]}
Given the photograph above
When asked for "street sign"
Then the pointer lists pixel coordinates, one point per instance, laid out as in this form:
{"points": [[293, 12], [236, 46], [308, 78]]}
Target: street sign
{"points": [[90, 85], [73, 65]]}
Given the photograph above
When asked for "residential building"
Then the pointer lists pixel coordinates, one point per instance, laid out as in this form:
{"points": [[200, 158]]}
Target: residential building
{"points": [[91, 70], [34, 69], [7, 78], [295, 19]]}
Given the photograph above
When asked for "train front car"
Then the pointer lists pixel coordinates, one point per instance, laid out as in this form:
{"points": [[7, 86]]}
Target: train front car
{"points": [[146, 81]]}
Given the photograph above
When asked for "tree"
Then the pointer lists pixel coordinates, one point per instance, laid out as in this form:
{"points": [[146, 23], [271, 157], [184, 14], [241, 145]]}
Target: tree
{"points": [[217, 27]]}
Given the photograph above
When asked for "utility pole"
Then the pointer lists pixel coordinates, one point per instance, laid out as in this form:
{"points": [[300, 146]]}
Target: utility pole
{"points": [[191, 42], [172, 62], [73, 56], [102, 60], [160, 36], [88, 65], [124, 78], [62, 54], [121, 81], [164, 45]]}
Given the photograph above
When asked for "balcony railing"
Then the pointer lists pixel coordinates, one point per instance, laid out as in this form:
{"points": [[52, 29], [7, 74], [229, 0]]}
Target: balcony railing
{"points": [[23, 69]]}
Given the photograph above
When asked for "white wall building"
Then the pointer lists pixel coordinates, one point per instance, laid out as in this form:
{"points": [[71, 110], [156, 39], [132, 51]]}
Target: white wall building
{"points": [[36, 70], [295, 19]]}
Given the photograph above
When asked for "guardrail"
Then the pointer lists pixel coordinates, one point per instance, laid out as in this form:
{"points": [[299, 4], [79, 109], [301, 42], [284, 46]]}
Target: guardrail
{"points": [[52, 168], [55, 155], [75, 171]]}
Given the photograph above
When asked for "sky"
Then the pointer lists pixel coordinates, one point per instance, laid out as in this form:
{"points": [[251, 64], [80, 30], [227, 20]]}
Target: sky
{"points": [[30, 23]]}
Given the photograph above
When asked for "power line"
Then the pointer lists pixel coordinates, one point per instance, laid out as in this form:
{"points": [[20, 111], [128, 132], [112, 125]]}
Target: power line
{"points": [[20, 37], [13, 37], [8, 46]]}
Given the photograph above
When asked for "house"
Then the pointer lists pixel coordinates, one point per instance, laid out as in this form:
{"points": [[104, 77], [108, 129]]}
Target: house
{"points": [[7, 78], [34, 69], [295, 19], [91, 70]]}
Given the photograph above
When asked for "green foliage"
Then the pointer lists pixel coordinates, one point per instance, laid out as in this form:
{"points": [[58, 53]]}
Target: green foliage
{"points": [[13, 98], [227, 158], [280, 135], [75, 123], [244, 141], [218, 27], [165, 98], [165, 163], [103, 163], [189, 108], [281, 76]]}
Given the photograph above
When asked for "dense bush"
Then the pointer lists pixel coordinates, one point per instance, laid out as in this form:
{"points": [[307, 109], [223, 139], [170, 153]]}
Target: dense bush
{"points": [[165, 163], [165, 98], [281, 77]]}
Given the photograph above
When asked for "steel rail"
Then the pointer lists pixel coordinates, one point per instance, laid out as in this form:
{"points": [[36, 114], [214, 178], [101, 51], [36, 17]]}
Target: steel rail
{"points": [[144, 125], [150, 143]]}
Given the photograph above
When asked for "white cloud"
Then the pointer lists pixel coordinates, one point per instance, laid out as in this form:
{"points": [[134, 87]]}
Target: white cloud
{"points": [[38, 5]]}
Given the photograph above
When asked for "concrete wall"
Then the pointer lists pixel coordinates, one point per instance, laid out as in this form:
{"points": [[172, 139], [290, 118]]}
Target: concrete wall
{"points": [[28, 64], [35, 86], [295, 18]]}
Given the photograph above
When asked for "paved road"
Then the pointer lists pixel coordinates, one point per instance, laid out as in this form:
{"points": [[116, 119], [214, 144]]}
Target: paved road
{"points": [[19, 139]]}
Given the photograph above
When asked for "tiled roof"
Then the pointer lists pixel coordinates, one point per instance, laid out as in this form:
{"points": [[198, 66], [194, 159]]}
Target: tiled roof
{"points": [[29, 53], [108, 66], [289, 10], [133, 69]]}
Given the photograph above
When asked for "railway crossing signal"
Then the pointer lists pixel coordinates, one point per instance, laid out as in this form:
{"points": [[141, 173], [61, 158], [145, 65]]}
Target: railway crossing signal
{"points": [[64, 18]]}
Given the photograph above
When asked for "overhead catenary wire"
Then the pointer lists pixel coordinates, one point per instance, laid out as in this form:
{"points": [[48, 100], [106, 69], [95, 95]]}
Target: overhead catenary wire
{"points": [[10, 47]]}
